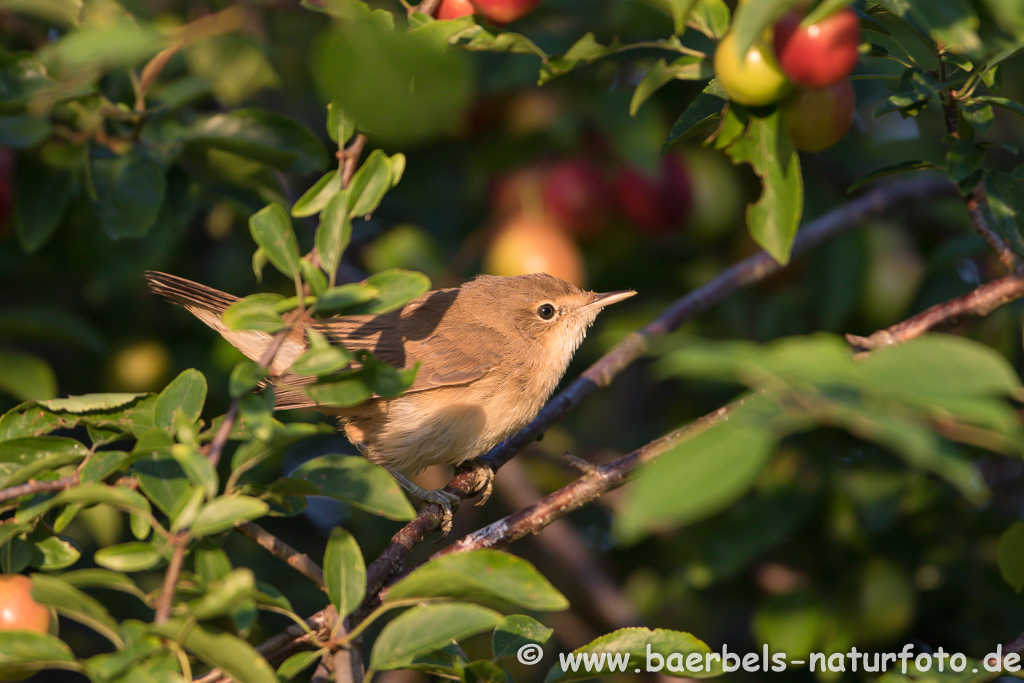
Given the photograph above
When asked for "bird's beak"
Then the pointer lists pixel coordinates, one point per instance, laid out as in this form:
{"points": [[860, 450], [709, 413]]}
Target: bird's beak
{"points": [[602, 300]]}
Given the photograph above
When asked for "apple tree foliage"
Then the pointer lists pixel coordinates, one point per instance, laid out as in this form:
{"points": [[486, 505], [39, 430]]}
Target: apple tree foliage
{"points": [[127, 127]]}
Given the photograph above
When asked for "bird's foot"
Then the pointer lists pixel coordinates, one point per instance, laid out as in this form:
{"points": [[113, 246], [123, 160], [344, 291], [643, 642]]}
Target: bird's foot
{"points": [[484, 480], [446, 501]]}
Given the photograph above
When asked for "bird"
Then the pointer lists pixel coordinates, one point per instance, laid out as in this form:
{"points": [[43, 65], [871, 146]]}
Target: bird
{"points": [[489, 354]]}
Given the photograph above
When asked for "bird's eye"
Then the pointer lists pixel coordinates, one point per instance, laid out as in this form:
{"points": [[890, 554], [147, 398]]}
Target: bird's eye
{"points": [[546, 311]]}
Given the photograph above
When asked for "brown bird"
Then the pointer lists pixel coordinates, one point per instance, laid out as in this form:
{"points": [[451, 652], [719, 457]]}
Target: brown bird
{"points": [[490, 352]]}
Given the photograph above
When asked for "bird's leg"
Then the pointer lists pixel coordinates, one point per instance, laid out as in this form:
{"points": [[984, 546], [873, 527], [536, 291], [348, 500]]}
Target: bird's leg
{"points": [[440, 496]]}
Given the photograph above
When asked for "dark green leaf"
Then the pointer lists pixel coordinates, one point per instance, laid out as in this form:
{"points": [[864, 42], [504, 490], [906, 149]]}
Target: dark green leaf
{"points": [[1006, 201], [515, 631], [129, 192], [686, 68], [707, 105], [182, 399], [163, 481], [1010, 556], [344, 571], [272, 230], [21, 459], [56, 553], [963, 159], [297, 663], [262, 136], [25, 651], [359, 482], [426, 628], [911, 165], [950, 23], [41, 195], [481, 575]]}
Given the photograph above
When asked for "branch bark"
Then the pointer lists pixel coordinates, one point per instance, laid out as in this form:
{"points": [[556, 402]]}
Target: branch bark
{"points": [[300, 562]]}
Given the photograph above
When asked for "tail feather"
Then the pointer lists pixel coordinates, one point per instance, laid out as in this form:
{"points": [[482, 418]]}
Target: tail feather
{"points": [[208, 305]]}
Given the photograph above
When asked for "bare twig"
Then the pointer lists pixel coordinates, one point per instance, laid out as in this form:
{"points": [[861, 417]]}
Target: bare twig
{"points": [[349, 158], [300, 562], [425, 7], [163, 603], [975, 304], [34, 486]]}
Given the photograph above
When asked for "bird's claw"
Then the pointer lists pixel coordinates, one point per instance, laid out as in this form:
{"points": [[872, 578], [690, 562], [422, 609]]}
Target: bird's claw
{"points": [[484, 481], [446, 501]]}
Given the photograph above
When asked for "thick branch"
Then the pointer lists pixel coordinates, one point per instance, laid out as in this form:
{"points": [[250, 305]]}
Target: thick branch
{"points": [[975, 304]]}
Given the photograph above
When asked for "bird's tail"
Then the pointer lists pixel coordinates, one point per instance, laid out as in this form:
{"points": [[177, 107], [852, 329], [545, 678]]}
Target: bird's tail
{"points": [[209, 304]]}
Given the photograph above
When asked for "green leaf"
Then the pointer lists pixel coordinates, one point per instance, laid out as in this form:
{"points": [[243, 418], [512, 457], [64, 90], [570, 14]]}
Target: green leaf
{"points": [[316, 197], [340, 126], [1006, 201], [245, 377], [774, 218], [515, 631], [163, 481], [334, 233], [750, 20], [658, 647], [182, 399], [102, 578], [916, 88], [224, 595], [133, 556], [88, 403], [22, 459], [255, 312], [707, 105], [297, 663], [56, 552], [129, 192], [344, 297], [710, 17], [26, 651], [63, 12], [263, 136], [1010, 556], [426, 628], [963, 159], [950, 23], [272, 230], [911, 165], [481, 576], [321, 360], [696, 479], [416, 90], [369, 184], [72, 603], [26, 376], [226, 651], [41, 197], [685, 68], [397, 288], [583, 51], [223, 513], [344, 571], [359, 482]]}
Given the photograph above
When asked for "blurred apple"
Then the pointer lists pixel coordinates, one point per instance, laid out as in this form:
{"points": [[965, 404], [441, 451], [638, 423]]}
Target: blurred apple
{"points": [[655, 205], [453, 9], [141, 366], [888, 601], [717, 192], [18, 609], [526, 242], [571, 192], [819, 118], [497, 11], [754, 79], [893, 275], [821, 54]]}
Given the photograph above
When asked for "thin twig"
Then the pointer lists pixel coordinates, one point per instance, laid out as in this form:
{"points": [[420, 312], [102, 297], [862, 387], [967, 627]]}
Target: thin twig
{"points": [[300, 562], [35, 486], [975, 304], [163, 603], [349, 158]]}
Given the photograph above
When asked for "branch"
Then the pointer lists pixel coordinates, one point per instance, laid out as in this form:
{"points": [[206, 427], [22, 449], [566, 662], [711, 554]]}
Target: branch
{"points": [[300, 562], [34, 486], [975, 304], [163, 603]]}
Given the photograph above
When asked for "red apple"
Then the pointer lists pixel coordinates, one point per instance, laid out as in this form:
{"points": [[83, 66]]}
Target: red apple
{"points": [[754, 79], [529, 243], [821, 54], [574, 191], [504, 11], [655, 205], [819, 118], [453, 9], [18, 609]]}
